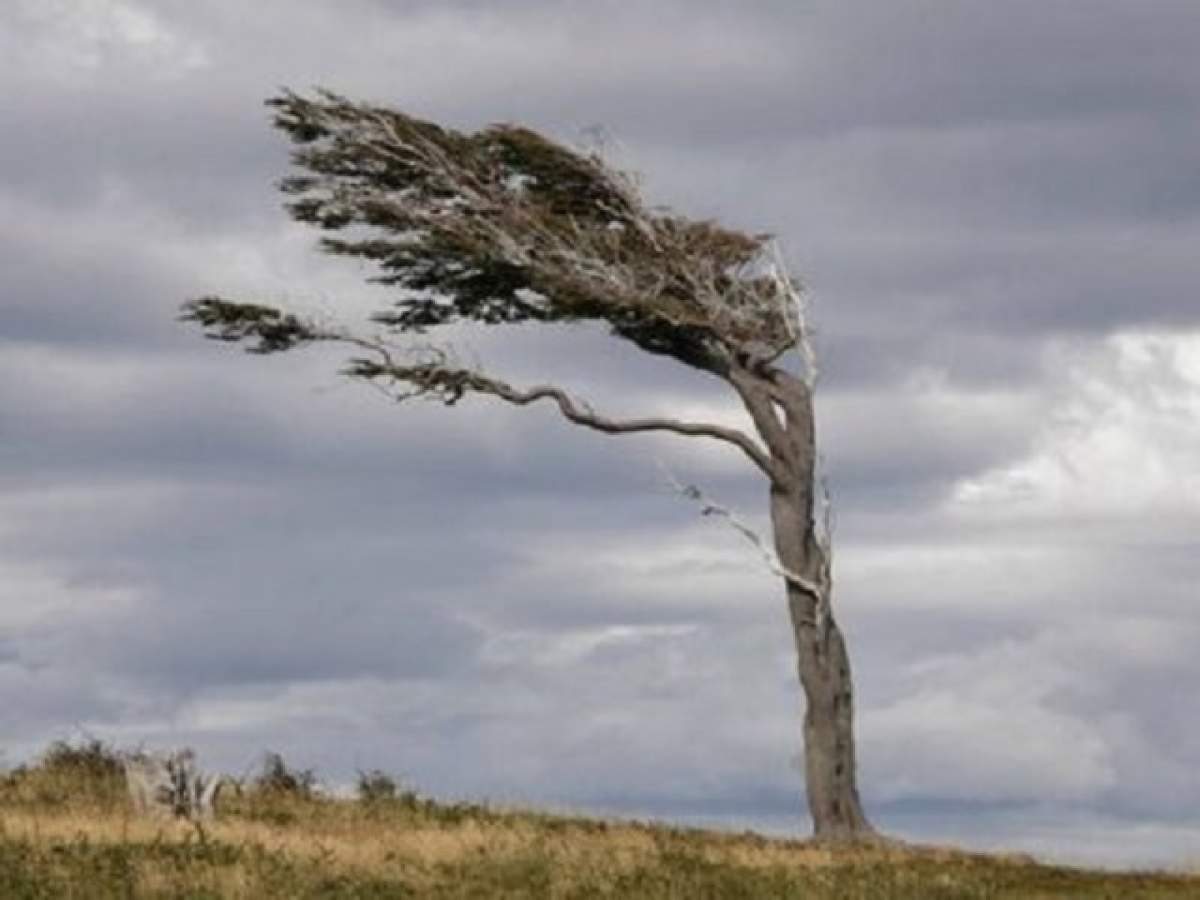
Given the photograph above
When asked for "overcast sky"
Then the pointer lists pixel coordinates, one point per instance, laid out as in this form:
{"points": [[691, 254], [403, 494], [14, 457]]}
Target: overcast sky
{"points": [[996, 207]]}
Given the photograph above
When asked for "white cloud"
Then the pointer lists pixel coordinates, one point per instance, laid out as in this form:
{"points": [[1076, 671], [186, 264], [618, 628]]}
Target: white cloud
{"points": [[698, 567], [947, 743], [1123, 440], [72, 39], [35, 601], [1042, 719], [568, 648]]}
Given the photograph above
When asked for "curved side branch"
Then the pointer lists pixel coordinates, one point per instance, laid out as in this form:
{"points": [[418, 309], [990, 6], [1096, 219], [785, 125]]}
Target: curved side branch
{"points": [[589, 419], [437, 379], [433, 376]]}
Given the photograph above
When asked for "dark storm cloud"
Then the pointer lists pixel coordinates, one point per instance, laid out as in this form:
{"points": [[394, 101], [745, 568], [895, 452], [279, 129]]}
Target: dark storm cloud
{"points": [[995, 124], [818, 67], [184, 148], [75, 311]]}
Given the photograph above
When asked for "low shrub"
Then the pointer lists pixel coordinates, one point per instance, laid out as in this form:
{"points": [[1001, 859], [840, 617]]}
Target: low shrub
{"points": [[90, 772], [280, 779]]}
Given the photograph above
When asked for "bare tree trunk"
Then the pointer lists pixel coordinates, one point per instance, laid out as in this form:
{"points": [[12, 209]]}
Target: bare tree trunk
{"points": [[780, 406], [830, 769]]}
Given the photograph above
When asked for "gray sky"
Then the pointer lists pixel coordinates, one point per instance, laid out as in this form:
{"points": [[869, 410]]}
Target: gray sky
{"points": [[996, 209]]}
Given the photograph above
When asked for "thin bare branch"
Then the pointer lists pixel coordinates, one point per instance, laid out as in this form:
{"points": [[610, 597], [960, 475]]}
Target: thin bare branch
{"points": [[708, 507], [434, 376]]}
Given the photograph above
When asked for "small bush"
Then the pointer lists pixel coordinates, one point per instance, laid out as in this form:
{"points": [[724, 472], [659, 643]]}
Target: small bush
{"points": [[90, 772], [91, 760], [376, 786], [382, 793], [279, 779]]}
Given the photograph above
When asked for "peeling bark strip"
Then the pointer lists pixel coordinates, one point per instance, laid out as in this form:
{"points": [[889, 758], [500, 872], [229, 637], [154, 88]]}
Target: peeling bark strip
{"points": [[504, 226]]}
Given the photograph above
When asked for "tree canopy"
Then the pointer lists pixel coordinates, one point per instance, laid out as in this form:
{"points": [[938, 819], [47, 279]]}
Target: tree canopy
{"points": [[505, 226]]}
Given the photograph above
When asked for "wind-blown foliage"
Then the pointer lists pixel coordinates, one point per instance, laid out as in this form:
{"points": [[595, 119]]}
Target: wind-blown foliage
{"points": [[504, 225]]}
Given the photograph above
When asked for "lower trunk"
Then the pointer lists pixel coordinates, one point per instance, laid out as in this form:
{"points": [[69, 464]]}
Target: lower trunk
{"points": [[830, 768]]}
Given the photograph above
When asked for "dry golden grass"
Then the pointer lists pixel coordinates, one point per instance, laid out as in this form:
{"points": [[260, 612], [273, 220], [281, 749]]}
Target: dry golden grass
{"points": [[341, 837], [59, 838], [324, 848]]}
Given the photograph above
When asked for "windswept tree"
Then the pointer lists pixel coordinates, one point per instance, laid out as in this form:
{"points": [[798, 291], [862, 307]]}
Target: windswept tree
{"points": [[505, 226]]}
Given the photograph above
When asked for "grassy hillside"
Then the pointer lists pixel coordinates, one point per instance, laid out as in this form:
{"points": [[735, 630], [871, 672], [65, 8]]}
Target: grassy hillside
{"points": [[65, 831]]}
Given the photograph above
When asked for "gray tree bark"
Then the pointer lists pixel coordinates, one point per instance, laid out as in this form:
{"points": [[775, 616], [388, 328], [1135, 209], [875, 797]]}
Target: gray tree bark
{"points": [[781, 407], [823, 666]]}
